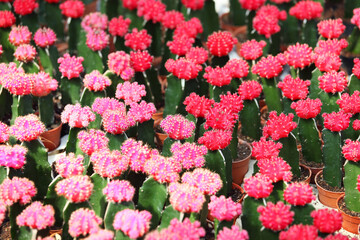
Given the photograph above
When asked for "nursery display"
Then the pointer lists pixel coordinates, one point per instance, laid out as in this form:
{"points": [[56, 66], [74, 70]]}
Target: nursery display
{"points": [[156, 104]]}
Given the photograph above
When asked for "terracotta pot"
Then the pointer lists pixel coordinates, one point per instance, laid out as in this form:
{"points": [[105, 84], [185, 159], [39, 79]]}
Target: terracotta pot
{"points": [[241, 167], [307, 180], [349, 223], [226, 25], [314, 172], [326, 197], [51, 138], [157, 117], [160, 138]]}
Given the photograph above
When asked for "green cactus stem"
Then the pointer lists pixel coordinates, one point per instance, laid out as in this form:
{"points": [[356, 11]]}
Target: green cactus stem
{"points": [[72, 144], [48, 58], [154, 29], [302, 214], [74, 34], [290, 154], [31, 21], [140, 78], [151, 75], [349, 6], [169, 214], [8, 49], [146, 132], [215, 91], [110, 8], [46, 109], [215, 161], [219, 61], [354, 84], [309, 33], [219, 225], [167, 54], [5, 101], [250, 119], [272, 95], [97, 199], [53, 18], [332, 158], [119, 43], [249, 22], [314, 84], [250, 217], [16, 231], [70, 90], [233, 146], [354, 43], [58, 202], [277, 193], [115, 80], [166, 152], [352, 195], [310, 140], [3, 174], [112, 209], [193, 119], [350, 132], [237, 13], [21, 106], [329, 102], [87, 99], [289, 29], [115, 141], [94, 59], [173, 94], [287, 109]]}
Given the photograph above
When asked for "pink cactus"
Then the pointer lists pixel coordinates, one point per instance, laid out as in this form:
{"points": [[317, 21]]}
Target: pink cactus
{"points": [[189, 154], [36, 216], [305, 232], [162, 169], [356, 17], [172, 19], [197, 105], [279, 126], [72, 8], [258, 186], [119, 191], [231, 102], [4, 132], [142, 111], [18, 83], [356, 68], [102, 234], [180, 44], [17, 190], [351, 150], [251, 4], [299, 194], [108, 163], [83, 222], [224, 209], [95, 81], [25, 53], [130, 4], [138, 40], [44, 37], [356, 125], [350, 104], [97, 39], [306, 10], [193, 4], [332, 82], [77, 116], [12, 156], [24, 7], [327, 220], [216, 139], [119, 63], [94, 21], [183, 68], [92, 141], [299, 55], [137, 152], [101, 105], [251, 49], [270, 66], [201, 175], [220, 43], [151, 10], [217, 76], [249, 90], [19, 35], [276, 169], [331, 45], [185, 198], [327, 61], [7, 19], [331, 28], [307, 108], [198, 55], [116, 121], [177, 127], [133, 223], [75, 189], [70, 67], [276, 217], [266, 20], [69, 165], [190, 28], [265, 149], [27, 128], [119, 26], [234, 233], [130, 92], [141, 60], [336, 121], [294, 89], [43, 84], [238, 68], [220, 117]]}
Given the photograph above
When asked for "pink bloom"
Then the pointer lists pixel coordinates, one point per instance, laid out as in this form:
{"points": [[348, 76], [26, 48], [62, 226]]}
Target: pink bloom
{"points": [[141, 60], [220, 117], [83, 221], [108, 163], [327, 220], [7, 19], [162, 169], [251, 49], [190, 28], [201, 175], [264, 149], [27, 128], [1, 50], [339, 236], [36, 216], [216, 139], [306, 10], [356, 68], [356, 125], [19, 84], [94, 21], [358, 183], [12, 156], [294, 89], [97, 40], [95, 81], [238, 68], [198, 55], [280, 1], [266, 20], [350, 104], [4, 132], [44, 37], [72, 8], [351, 150], [69, 165], [279, 126], [142, 111], [308, 108], [92, 141], [304, 232], [276, 169], [251, 4], [119, 63], [70, 67], [220, 43], [101, 105], [196, 105], [43, 84], [331, 45], [19, 35], [180, 45], [232, 102], [25, 53], [276, 217], [137, 153], [336, 121], [258, 186], [172, 19], [52, 1], [24, 7], [2, 211], [299, 194], [77, 116], [193, 4], [234, 234], [130, 92], [183, 68], [332, 82], [151, 10], [17, 190], [299, 55], [185, 198], [331, 28], [9, 71], [101, 235], [327, 62], [249, 90], [119, 191], [130, 4], [270, 66], [116, 121], [223, 208], [75, 189], [356, 17], [177, 127], [217, 76], [138, 40], [189, 154], [133, 223], [119, 26]]}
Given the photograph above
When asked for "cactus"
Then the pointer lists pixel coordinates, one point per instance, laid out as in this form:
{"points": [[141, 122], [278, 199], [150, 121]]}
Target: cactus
{"points": [[173, 95], [237, 13], [87, 99], [310, 141], [302, 214], [314, 90], [354, 84], [290, 154], [97, 199], [272, 95], [154, 29], [354, 44], [70, 90], [352, 194], [112, 209], [21, 105], [169, 213], [53, 18], [115, 141], [309, 33], [58, 202], [250, 217], [68, 210]]}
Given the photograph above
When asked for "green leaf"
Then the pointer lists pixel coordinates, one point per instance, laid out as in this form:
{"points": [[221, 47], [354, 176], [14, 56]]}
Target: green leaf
{"points": [[173, 95], [93, 60], [146, 132], [112, 209], [58, 202], [115, 141], [97, 198], [152, 197], [169, 214], [215, 161]]}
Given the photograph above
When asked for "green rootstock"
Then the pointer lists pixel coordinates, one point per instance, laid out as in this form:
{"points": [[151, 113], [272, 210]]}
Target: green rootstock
{"points": [[272, 95], [250, 119], [352, 194], [310, 140], [290, 154], [250, 217], [216, 162]]}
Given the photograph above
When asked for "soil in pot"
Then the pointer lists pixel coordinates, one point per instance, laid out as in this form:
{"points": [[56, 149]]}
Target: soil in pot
{"points": [[328, 195], [351, 219], [241, 165], [314, 168], [305, 175], [5, 230]]}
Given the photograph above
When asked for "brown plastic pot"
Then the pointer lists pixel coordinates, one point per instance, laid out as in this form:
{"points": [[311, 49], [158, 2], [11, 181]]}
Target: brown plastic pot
{"points": [[307, 180], [51, 138], [349, 223], [326, 197], [240, 167], [314, 171]]}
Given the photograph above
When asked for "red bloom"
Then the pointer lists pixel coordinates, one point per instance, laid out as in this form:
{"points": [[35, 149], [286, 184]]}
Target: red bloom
{"points": [[119, 63], [336, 121], [97, 40], [276, 169], [356, 17], [200, 175], [327, 62], [83, 222], [333, 82], [72, 8], [177, 127], [327, 220], [36, 216], [180, 45], [220, 43], [264, 149], [217, 76], [279, 126], [193, 4], [294, 89], [258, 186], [350, 104], [24, 7], [77, 116], [251, 4], [351, 150], [238, 68], [119, 26], [249, 90], [19, 35], [233, 233], [141, 60], [356, 125], [270, 66], [306, 10], [266, 20], [27, 128], [223, 208], [299, 55], [95, 21], [183, 68], [130, 92], [308, 108], [190, 155], [356, 68], [138, 40], [92, 141], [4, 132], [7, 19], [304, 232], [251, 49], [198, 55], [151, 10], [331, 45], [331, 28], [232, 102], [69, 165], [18, 83], [172, 19], [44, 37], [12, 156], [196, 105], [17, 190], [118, 191], [142, 111], [137, 152], [299, 194], [100, 105], [190, 28], [130, 4], [220, 117], [216, 139], [276, 217]]}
